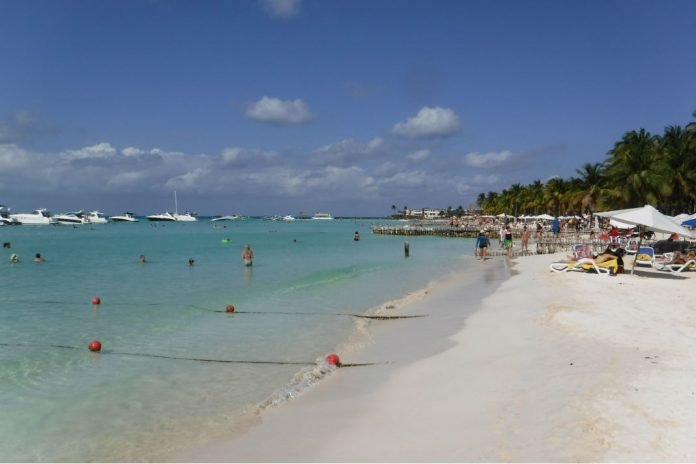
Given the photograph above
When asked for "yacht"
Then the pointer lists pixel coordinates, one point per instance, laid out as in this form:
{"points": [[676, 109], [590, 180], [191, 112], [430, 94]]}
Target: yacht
{"points": [[38, 217], [234, 217], [288, 218], [97, 217], [125, 217], [162, 217], [186, 217], [5, 219], [70, 218], [323, 216]]}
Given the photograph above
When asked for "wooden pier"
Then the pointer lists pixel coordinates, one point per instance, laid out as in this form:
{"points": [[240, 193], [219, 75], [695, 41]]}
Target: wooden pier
{"points": [[547, 244]]}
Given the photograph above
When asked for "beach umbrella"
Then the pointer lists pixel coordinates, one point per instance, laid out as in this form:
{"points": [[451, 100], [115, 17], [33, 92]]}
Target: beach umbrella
{"points": [[545, 217], [646, 218]]}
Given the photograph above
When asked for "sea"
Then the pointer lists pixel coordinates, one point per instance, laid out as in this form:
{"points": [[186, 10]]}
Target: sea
{"points": [[176, 369]]}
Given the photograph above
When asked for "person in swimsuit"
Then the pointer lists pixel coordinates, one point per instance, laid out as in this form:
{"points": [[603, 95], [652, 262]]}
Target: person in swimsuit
{"points": [[247, 255], [507, 242], [482, 244]]}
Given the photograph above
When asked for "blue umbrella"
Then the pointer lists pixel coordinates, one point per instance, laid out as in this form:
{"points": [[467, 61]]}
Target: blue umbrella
{"points": [[690, 223]]}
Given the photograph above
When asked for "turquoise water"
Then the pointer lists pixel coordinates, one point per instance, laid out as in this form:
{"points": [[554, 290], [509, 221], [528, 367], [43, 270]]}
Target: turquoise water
{"points": [[60, 402]]}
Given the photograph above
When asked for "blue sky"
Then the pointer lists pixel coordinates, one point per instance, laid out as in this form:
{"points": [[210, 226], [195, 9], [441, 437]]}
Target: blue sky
{"points": [[276, 107]]}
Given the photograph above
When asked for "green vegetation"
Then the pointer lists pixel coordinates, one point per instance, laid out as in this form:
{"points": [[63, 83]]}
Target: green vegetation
{"points": [[641, 169]]}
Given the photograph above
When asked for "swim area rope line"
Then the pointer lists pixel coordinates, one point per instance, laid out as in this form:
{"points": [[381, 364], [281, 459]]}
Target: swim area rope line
{"points": [[181, 358], [286, 313]]}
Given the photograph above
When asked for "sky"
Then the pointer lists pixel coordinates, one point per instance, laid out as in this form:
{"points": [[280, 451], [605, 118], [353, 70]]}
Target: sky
{"points": [[262, 107]]}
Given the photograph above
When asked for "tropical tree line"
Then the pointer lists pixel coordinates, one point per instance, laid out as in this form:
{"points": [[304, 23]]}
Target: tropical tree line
{"points": [[641, 169]]}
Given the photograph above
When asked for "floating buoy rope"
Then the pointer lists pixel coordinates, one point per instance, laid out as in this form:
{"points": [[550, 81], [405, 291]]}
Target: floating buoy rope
{"points": [[96, 301], [96, 346]]}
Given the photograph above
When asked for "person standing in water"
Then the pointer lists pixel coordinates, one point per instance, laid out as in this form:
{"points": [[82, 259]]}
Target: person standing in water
{"points": [[247, 255]]}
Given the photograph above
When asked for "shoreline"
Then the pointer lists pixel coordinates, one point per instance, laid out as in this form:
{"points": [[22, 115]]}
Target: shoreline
{"points": [[375, 342], [549, 367]]}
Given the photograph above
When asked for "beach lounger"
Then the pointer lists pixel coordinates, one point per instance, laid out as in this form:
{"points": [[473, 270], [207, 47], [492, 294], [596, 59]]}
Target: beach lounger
{"points": [[586, 265], [688, 266], [645, 256]]}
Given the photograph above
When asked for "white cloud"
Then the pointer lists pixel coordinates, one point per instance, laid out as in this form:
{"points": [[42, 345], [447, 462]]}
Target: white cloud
{"points": [[487, 160], [375, 144], [100, 150], [13, 157], [275, 111], [419, 155], [410, 179], [192, 179], [281, 8], [485, 180], [124, 179], [429, 122], [347, 152], [238, 156]]}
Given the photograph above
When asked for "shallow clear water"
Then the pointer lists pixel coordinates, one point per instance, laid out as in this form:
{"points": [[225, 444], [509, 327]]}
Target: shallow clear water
{"points": [[60, 402]]}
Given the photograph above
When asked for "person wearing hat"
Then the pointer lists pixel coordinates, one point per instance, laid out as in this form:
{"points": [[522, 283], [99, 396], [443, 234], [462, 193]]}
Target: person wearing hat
{"points": [[14, 258], [482, 244]]}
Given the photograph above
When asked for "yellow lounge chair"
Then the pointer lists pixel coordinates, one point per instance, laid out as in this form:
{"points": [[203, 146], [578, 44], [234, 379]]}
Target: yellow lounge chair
{"points": [[586, 265]]}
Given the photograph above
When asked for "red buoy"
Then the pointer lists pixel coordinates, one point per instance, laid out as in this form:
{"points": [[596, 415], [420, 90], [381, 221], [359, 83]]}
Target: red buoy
{"points": [[96, 300], [333, 360], [229, 308], [95, 345]]}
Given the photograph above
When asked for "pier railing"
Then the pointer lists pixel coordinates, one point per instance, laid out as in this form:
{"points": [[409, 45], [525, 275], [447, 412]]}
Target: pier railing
{"points": [[544, 243]]}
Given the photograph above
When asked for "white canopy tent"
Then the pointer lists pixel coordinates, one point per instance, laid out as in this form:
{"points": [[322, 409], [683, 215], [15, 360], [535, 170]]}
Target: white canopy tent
{"points": [[644, 218]]}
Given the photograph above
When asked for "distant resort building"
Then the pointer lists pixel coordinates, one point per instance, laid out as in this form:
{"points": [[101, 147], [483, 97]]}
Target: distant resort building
{"points": [[425, 213]]}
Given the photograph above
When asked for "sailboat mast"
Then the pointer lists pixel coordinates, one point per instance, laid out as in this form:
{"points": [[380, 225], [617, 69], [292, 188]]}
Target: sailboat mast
{"points": [[176, 204]]}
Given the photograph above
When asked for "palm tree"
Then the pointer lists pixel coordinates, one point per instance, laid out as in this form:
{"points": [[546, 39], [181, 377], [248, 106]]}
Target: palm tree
{"points": [[679, 154], [637, 174], [591, 181]]}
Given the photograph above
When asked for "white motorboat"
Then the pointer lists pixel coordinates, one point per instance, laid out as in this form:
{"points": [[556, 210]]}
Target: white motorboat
{"points": [[186, 217], [322, 216], [97, 217], [38, 217], [288, 218], [70, 218], [5, 219], [234, 217], [162, 217], [125, 217]]}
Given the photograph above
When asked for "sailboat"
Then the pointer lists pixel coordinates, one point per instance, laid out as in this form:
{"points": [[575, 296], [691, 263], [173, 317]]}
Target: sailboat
{"points": [[186, 217]]}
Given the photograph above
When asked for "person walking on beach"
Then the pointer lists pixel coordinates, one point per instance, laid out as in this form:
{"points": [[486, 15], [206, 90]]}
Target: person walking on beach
{"points": [[247, 255], [482, 244], [525, 239], [507, 242]]}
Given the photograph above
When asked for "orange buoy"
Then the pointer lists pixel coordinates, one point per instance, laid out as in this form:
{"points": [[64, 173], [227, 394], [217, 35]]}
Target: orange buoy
{"points": [[229, 308], [333, 360], [95, 345], [96, 300]]}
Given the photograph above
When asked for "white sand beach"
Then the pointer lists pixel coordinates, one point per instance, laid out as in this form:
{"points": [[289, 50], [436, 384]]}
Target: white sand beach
{"points": [[549, 367]]}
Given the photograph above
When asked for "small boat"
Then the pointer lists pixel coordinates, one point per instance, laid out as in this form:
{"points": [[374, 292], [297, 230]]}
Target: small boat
{"points": [[38, 217], [125, 217], [186, 217], [288, 218], [162, 217], [322, 216], [70, 218], [5, 219], [234, 217], [96, 217]]}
